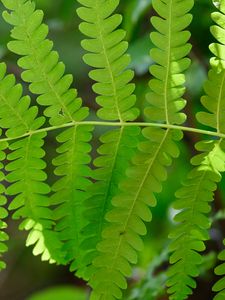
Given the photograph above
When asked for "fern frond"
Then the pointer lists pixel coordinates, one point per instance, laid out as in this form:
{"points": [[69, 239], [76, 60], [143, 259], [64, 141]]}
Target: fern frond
{"points": [[215, 86], [25, 169], [214, 100], [218, 32], [219, 286], [193, 223], [3, 212], [218, 75], [42, 68], [167, 88], [121, 239], [46, 76], [69, 191], [30, 201], [107, 55], [116, 151], [194, 197]]}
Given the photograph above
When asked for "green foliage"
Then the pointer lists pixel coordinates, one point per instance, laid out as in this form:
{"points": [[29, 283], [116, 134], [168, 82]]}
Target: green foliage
{"points": [[197, 191], [152, 284], [144, 176], [25, 167], [219, 286], [58, 293], [3, 211], [121, 239], [107, 55], [94, 215], [167, 88], [193, 201], [46, 76], [42, 68]]}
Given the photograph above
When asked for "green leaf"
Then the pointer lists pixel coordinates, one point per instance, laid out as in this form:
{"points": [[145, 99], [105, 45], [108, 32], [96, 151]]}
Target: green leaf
{"points": [[58, 293], [107, 53], [167, 87]]}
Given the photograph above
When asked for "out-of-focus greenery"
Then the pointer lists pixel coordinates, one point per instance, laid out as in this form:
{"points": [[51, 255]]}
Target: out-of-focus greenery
{"points": [[59, 293], [26, 275]]}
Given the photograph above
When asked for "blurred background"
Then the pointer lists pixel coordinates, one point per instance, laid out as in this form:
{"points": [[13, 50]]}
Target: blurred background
{"points": [[26, 277]]}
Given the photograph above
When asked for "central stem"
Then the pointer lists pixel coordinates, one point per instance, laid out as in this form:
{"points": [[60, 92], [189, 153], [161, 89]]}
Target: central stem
{"points": [[119, 124]]}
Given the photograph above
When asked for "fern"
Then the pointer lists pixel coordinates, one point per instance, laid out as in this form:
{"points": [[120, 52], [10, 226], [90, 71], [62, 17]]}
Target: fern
{"points": [[193, 200], [94, 218], [3, 212], [46, 76], [72, 166], [167, 88], [43, 70], [197, 191], [121, 238], [107, 55], [116, 151], [26, 166], [219, 286], [218, 64]]}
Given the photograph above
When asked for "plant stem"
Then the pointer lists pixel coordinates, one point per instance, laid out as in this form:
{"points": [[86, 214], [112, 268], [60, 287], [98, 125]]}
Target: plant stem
{"points": [[118, 124]]}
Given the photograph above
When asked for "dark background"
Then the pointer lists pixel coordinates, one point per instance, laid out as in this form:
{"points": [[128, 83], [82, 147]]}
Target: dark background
{"points": [[26, 274]]}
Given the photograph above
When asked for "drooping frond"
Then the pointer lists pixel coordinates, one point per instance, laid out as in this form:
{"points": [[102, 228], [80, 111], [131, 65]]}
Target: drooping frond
{"points": [[121, 238], [3, 212], [46, 76], [219, 286], [107, 56], [193, 201], [72, 166], [116, 151], [217, 83], [25, 169], [194, 197]]}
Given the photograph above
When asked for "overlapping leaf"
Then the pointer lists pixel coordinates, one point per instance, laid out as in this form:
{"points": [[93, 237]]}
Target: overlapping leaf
{"points": [[100, 222], [193, 202], [107, 56], [219, 286], [42, 68], [3, 212], [218, 74], [46, 76], [116, 151], [25, 169], [197, 191], [69, 190], [118, 250], [165, 99], [121, 240]]}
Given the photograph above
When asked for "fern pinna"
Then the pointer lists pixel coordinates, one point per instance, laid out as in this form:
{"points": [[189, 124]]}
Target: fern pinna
{"points": [[194, 197], [121, 238], [25, 167], [107, 55], [94, 214], [46, 76]]}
